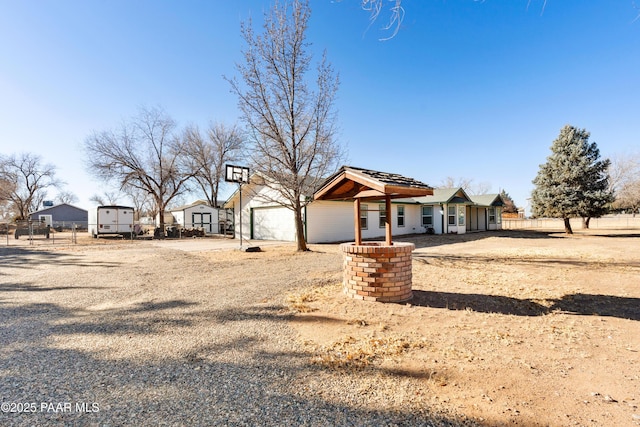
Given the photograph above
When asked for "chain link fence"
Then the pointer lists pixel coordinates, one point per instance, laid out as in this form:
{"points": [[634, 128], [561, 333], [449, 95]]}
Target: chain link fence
{"points": [[34, 233]]}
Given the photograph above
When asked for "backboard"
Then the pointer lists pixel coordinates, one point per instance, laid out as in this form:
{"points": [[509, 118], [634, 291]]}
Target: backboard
{"points": [[239, 174]]}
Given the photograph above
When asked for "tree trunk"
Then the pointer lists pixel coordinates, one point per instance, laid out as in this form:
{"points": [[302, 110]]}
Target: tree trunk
{"points": [[567, 226], [585, 222], [300, 238], [161, 207]]}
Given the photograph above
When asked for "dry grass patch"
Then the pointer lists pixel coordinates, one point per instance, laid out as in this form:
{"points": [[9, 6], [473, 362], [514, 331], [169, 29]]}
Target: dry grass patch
{"points": [[358, 353], [523, 328]]}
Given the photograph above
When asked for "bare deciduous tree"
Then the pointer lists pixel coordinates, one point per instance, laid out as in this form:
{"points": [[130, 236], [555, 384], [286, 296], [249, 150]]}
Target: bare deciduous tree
{"points": [[142, 202], [105, 199], [396, 14], [624, 181], [291, 126], [66, 197], [26, 181], [467, 184], [142, 154], [207, 156]]}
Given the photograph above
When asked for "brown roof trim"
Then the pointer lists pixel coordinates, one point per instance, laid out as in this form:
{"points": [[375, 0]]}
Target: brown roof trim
{"points": [[352, 182]]}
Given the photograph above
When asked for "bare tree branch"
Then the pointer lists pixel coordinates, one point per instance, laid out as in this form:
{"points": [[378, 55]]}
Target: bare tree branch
{"points": [[66, 197], [142, 154], [27, 181], [206, 155], [624, 181], [290, 125]]}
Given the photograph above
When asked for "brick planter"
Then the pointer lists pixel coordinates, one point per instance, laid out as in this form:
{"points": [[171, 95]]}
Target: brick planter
{"points": [[374, 271]]}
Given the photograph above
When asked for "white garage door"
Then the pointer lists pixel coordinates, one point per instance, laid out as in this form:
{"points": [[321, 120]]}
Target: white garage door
{"points": [[274, 224]]}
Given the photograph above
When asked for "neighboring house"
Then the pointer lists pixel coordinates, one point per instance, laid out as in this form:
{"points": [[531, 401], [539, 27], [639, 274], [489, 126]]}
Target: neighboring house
{"points": [[63, 215], [447, 211]]}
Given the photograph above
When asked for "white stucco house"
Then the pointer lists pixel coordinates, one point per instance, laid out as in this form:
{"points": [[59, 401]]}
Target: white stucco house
{"points": [[453, 211], [447, 211]]}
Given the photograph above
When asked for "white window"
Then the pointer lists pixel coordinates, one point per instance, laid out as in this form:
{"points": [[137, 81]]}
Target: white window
{"points": [[382, 210], [364, 217], [427, 216], [452, 215], [461, 211], [492, 215], [401, 216]]}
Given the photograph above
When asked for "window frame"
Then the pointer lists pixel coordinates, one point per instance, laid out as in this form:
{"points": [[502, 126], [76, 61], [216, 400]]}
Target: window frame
{"points": [[364, 216], [425, 216], [382, 215], [451, 217], [492, 214], [400, 211]]}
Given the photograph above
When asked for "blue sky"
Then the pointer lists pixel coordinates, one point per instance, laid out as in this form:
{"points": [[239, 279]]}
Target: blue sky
{"points": [[466, 89]]}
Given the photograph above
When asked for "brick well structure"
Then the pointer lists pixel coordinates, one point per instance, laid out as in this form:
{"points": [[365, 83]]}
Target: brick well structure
{"points": [[374, 271]]}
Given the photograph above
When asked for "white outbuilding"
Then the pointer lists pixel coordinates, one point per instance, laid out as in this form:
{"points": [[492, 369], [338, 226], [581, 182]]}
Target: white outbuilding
{"points": [[198, 215]]}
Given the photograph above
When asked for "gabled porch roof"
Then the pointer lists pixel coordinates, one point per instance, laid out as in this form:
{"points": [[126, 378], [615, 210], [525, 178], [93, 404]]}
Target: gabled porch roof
{"points": [[357, 184], [351, 183]]}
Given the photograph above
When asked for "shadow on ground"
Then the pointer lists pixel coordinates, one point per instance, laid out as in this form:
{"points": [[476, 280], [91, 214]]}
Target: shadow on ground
{"points": [[579, 304], [26, 258], [447, 259], [198, 386], [432, 240]]}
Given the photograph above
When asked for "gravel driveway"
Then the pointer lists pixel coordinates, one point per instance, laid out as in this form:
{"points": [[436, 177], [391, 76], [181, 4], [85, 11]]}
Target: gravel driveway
{"points": [[136, 334]]}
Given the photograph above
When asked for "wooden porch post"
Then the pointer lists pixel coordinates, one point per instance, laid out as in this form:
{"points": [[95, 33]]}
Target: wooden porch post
{"points": [[387, 225], [356, 221]]}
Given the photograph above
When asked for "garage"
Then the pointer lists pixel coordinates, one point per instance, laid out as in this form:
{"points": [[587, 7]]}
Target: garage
{"points": [[273, 223]]}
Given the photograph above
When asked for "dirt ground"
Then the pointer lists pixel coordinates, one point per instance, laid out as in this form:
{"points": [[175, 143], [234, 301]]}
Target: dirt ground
{"points": [[509, 328], [505, 328]]}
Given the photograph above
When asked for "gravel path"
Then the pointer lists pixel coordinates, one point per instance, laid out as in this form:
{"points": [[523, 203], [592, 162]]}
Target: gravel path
{"points": [[139, 335]]}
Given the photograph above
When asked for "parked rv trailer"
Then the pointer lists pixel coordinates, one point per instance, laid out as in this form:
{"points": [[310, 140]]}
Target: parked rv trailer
{"points": [[111, 220]]}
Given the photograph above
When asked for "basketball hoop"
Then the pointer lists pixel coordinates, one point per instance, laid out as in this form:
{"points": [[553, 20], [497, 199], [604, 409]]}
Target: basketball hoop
{"points": [[239, 174]]}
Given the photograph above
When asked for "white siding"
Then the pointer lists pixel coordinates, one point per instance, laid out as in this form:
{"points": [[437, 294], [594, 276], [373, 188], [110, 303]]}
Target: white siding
{"points": [[438, 219], [455, 228], [412, 220], [329, 221], [179, 217]]}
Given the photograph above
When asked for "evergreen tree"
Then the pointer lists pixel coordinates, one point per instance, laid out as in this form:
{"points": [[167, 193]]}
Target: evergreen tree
{"points": [[574, 181], [509, 204]]}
